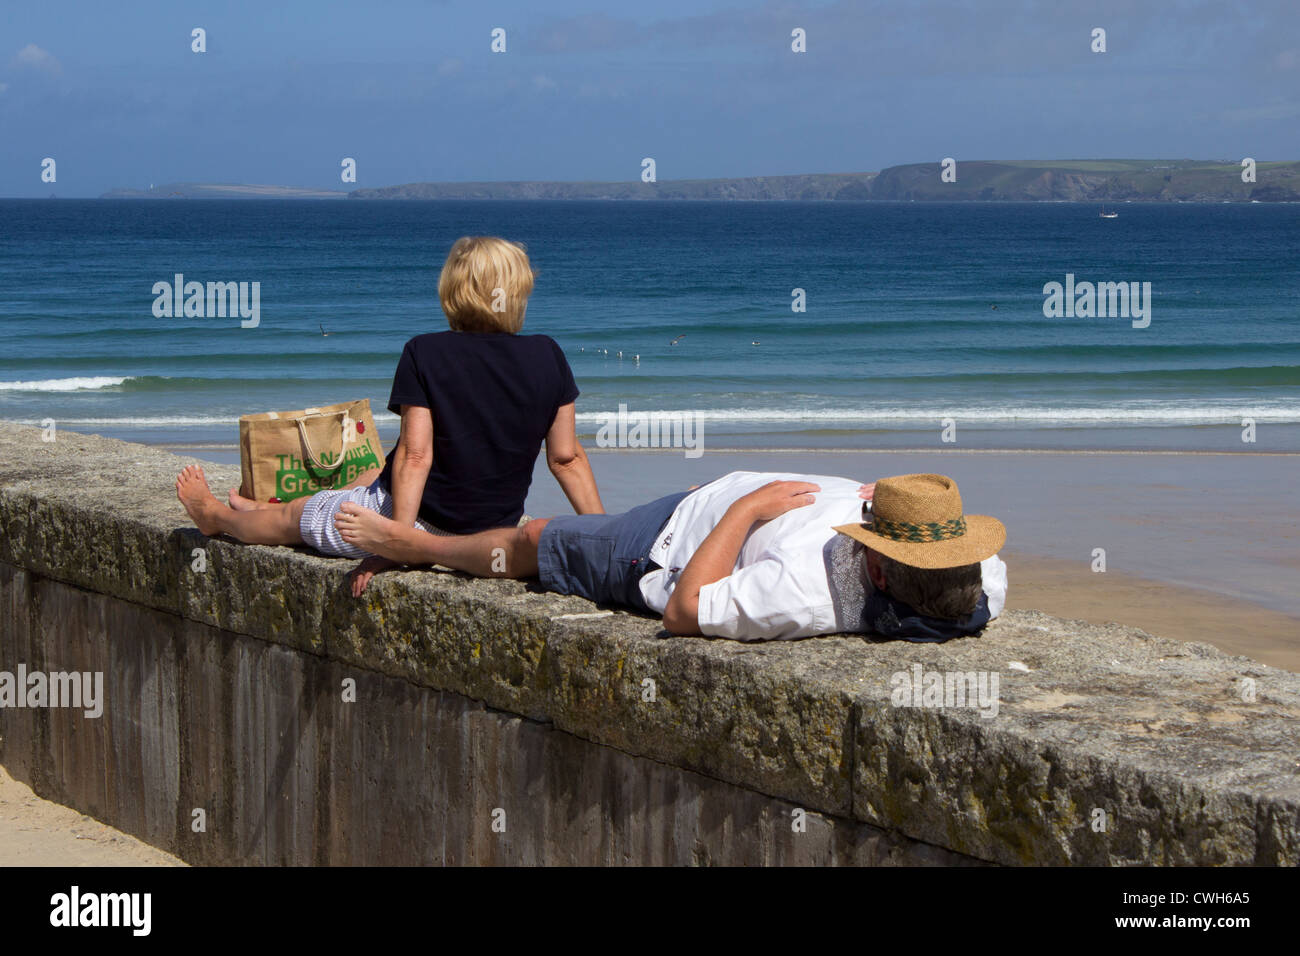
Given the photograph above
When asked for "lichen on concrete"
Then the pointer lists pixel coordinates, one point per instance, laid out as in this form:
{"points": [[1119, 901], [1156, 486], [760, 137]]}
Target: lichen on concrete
{"points": [[1110, 745]]}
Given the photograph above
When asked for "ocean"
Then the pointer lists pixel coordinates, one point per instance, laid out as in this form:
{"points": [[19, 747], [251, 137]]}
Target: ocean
{"points": [[923, 324]]}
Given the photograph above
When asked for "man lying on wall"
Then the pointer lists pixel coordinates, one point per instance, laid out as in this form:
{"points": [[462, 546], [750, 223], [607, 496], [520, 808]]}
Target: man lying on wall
{"points": [[748, 556]]}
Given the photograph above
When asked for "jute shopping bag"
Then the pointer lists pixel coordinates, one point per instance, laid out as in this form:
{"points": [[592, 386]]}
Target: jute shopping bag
{"points": [[287, 455]]}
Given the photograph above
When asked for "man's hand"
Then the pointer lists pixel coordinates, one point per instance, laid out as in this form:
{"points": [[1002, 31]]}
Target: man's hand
{"points": [[867, 492], [366, 570], [776, 498], [716, 556]]}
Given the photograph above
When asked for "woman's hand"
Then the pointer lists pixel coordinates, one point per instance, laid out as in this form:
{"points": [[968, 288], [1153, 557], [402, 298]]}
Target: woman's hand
{"points": [[366, 570]]}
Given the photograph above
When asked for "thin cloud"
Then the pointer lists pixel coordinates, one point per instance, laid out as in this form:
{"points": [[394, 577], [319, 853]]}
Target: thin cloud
{"points": [[584, 33], [32, 57]]}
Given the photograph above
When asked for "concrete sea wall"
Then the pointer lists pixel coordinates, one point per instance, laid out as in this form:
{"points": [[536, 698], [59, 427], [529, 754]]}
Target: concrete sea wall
{"points": [[253, 712]]}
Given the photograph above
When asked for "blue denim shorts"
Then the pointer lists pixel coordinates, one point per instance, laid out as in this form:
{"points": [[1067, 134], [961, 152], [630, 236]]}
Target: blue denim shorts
{"points": [[603, 557]]}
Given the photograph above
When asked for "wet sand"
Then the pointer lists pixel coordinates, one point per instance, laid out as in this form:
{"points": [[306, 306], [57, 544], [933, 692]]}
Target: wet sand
{"points": [[1073, 591]]}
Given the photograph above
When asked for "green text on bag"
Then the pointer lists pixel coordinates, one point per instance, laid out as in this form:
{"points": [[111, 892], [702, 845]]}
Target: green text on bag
{"points": [[295, 478]]}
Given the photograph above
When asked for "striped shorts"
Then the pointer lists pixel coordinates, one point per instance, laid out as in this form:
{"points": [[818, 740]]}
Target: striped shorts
{"points": [[317, 523]]}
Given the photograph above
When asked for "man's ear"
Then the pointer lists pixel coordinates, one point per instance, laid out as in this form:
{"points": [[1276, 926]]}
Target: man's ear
{"points": [[875, 573]]}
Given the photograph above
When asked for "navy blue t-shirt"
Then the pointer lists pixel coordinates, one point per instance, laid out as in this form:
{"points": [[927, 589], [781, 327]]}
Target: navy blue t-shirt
{"points": [[493, 397]]}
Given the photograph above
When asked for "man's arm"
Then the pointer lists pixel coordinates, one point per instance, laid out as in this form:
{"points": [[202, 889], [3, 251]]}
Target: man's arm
{"points": [[568, 463], [412, 461], [716, 557]]}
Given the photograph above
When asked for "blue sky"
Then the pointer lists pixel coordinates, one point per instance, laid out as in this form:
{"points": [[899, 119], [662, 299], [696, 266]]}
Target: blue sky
{"points": [[584, 90]]}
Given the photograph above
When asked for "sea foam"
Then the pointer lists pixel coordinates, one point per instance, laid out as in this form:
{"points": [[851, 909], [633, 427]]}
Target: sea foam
{"points": [[64, 384]]}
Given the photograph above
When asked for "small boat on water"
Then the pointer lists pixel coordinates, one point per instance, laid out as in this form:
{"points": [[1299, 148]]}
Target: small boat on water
{"points": [[1108, 215]]}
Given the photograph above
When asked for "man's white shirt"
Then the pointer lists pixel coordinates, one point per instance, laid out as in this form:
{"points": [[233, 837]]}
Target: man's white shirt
{"points": [[778, 587]]}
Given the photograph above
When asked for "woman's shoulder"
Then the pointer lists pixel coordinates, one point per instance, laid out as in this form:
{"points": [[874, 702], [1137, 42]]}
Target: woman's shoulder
{"points": [[426, 340], [539, 338], [449, 345], [541, 343]]}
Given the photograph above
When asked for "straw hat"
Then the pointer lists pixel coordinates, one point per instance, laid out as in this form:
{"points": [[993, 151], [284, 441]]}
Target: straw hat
{"points": [[917, 520]]}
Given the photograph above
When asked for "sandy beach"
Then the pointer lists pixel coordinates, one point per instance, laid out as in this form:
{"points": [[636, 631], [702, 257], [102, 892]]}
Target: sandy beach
{"points": [[1189, 614], [36, 832]]}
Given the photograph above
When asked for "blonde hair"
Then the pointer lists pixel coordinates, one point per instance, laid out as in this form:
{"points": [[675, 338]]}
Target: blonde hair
{"points": [[485, 284]]}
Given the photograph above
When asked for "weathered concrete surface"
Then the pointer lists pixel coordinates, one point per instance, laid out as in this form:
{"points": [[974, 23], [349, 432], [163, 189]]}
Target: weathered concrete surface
{"points": [[287, 772], [1161, 737]]}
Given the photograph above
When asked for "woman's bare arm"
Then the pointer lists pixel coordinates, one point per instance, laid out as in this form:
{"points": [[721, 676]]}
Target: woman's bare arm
{"points": [[568, 462]]}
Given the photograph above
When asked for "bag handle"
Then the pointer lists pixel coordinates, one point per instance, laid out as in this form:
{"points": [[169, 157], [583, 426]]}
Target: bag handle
{"points": [[306, 443]]}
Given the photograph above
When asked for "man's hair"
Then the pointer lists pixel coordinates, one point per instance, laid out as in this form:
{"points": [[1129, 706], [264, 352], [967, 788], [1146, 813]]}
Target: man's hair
{"points": [[485, 284], [948, 593]]}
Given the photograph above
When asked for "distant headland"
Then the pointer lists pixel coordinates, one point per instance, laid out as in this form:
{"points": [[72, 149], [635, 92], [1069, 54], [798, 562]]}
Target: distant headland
{"points": [[223, 191], [1092, 180]]}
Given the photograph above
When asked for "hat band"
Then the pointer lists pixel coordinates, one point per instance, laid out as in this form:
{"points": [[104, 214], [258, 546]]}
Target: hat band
{"points": [[926, 531]]}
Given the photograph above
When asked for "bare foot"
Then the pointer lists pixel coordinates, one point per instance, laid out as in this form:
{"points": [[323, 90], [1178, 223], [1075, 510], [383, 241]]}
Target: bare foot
{"points": [[239, 503], [368, 530], [193, 491], [366, 570]]}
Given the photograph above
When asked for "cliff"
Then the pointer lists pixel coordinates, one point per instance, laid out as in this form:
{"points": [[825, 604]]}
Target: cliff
{"points": [[811, 186], [977, 180], [1108, 180], [1155, 180]]}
